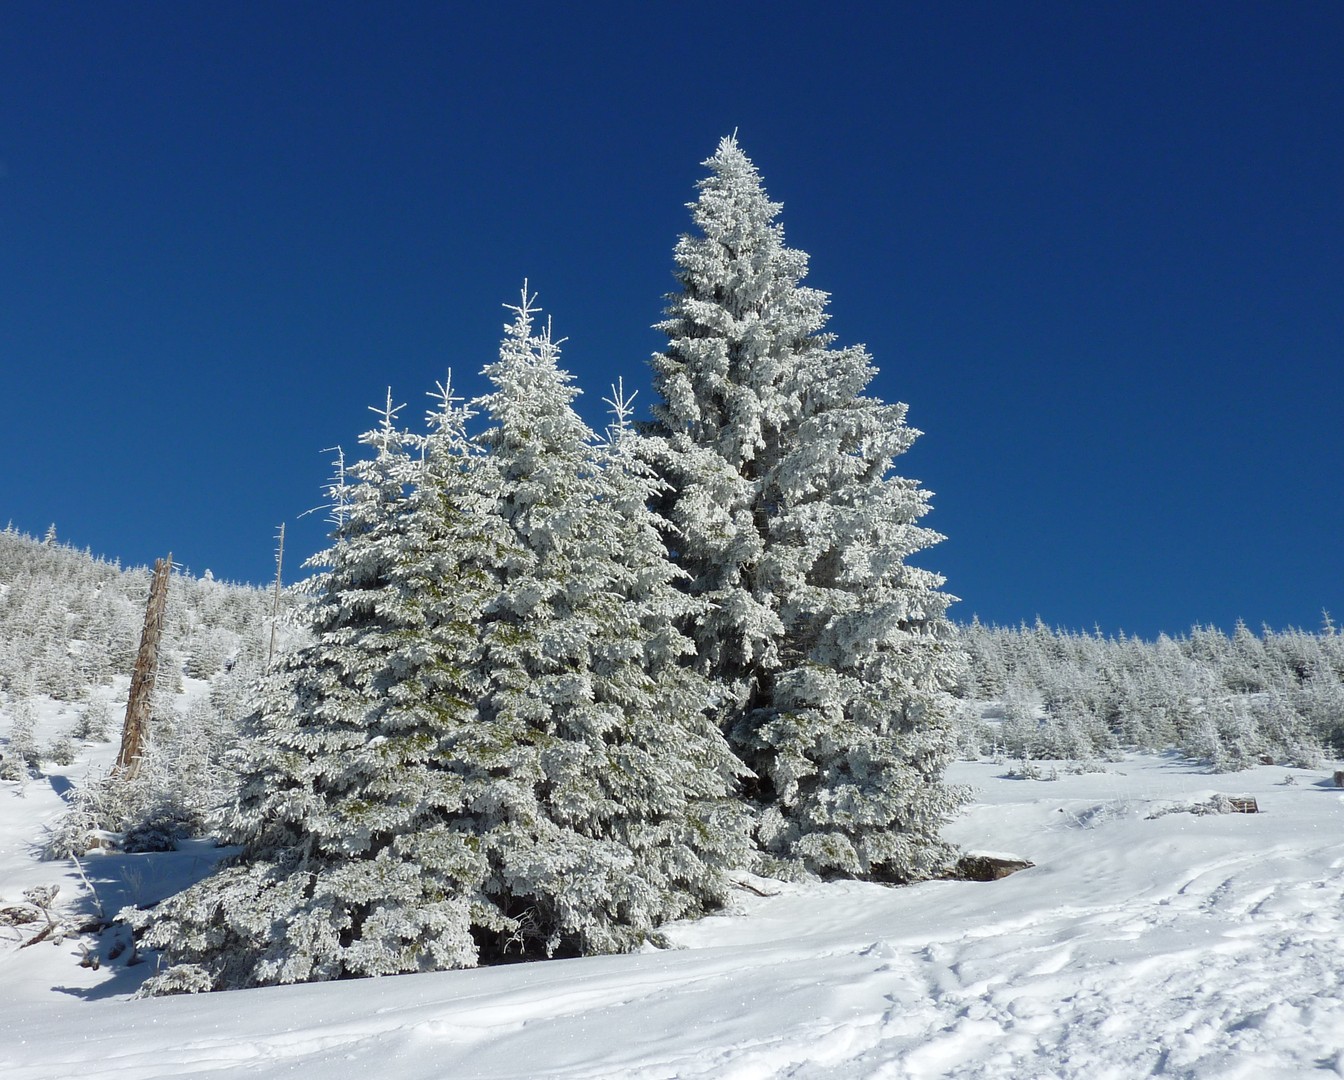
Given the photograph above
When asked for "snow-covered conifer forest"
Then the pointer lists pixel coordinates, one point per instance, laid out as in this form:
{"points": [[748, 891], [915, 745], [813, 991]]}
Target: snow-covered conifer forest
{"points": [[669, 703]]}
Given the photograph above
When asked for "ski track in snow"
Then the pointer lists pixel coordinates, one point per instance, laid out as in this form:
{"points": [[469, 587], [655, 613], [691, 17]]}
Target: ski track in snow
{"points": [[1182, 946]]}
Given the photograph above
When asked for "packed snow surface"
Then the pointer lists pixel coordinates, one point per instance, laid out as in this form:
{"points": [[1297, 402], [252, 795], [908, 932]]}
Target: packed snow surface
{"points": [[1174, 945]]}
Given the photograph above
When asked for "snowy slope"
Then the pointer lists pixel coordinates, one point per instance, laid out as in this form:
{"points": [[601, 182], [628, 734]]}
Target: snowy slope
{"points": [[1193, 946]]}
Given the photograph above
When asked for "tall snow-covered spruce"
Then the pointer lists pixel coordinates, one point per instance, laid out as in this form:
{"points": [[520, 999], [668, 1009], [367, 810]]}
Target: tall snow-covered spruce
{"points": [[612, 811], [833, 654]]}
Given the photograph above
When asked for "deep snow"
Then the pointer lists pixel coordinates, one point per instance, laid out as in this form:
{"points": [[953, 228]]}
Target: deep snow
{"points": [[1176, 945]]}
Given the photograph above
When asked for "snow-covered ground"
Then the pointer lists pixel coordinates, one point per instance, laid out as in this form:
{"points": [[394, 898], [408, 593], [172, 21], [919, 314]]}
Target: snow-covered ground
{"points": [[1175, 945]]}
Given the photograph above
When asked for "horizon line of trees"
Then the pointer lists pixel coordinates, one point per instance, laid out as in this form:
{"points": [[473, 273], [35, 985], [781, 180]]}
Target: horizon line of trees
{"points": [[1231, 700]]}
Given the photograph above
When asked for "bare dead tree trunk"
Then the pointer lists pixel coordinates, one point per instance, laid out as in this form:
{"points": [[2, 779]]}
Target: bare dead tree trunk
{"points": [[142, 677], [275, 604]]}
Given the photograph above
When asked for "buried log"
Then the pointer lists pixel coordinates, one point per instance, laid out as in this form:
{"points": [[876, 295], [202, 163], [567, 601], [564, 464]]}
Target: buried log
{"points": [[1215, 804], [986, 868]]}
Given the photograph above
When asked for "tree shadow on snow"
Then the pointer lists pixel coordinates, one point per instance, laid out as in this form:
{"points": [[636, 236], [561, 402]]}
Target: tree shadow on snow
{"points": [[122, 979], [139, 879]]}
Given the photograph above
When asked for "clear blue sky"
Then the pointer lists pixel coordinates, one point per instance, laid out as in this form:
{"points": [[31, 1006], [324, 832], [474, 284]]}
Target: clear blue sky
{"points": [[1098, 249]]}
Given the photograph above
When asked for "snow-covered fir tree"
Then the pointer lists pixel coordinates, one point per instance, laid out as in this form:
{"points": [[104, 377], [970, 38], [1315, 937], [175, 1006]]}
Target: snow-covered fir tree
{"points": [[358, 856], [608, 809], [833, 654]]}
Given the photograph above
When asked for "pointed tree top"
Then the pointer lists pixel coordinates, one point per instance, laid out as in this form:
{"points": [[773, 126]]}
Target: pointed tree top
{"points": [[521, 326], [622, 408], [733, 189], [729, 153], [387, 416], [448, 408]]}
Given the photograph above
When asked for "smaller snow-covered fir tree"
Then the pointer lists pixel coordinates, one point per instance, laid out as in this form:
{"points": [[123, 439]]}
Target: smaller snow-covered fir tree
{"points": [[610, 813], [355, 857]]}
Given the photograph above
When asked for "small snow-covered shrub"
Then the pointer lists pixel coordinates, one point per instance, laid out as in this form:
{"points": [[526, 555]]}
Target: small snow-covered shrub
{"points": [[1029, 770], [20, 753], [94, 808], [1214, 804], [161, 826], [95, 720], [61, 751]]}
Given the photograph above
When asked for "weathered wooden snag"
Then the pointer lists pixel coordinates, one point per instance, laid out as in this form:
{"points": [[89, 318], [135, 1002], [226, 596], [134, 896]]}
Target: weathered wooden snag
{"points": [[136, 726]]}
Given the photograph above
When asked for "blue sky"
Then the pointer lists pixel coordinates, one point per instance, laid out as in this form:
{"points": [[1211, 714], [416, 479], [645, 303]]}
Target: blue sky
{"points": [[1098, 249]]}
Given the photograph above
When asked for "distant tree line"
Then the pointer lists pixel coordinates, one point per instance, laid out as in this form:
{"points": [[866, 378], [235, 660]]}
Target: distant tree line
{"points": [[1231, 700]]}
